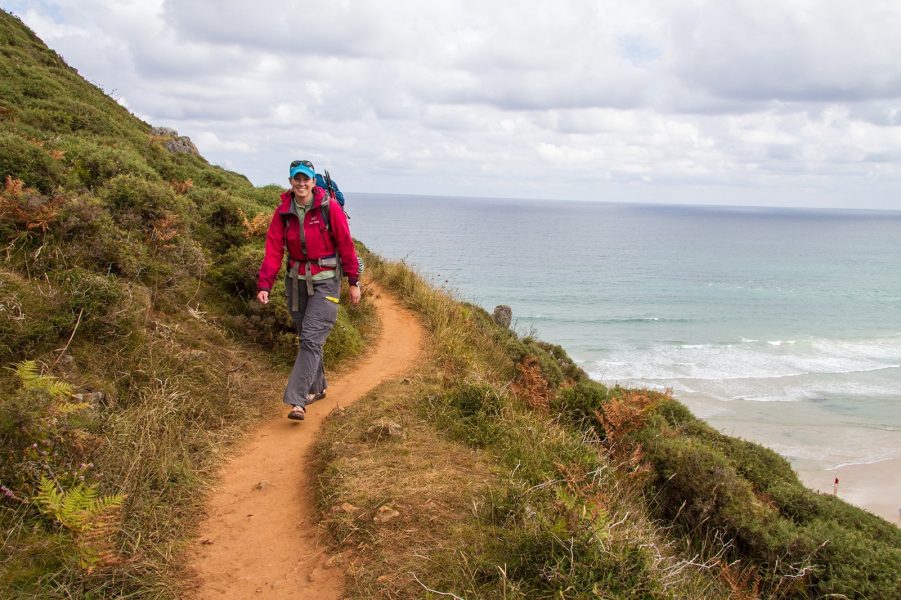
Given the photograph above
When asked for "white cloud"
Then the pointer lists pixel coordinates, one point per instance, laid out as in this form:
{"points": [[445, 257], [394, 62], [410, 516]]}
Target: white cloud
{"points": [[716, 101]]}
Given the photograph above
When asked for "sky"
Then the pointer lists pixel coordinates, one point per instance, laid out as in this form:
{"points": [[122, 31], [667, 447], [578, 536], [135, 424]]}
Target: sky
{"points": [[750, 102]]}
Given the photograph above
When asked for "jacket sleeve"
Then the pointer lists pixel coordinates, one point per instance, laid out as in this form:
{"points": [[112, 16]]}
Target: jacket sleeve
{"points": [[272, 261], [344, 243]]}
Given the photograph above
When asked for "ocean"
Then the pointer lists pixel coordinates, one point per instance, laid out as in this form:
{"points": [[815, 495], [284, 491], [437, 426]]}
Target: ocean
{"points": [[781, 326]]}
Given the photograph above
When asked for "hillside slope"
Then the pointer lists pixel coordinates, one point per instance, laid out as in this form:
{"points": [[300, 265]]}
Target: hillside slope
{"points": [[127, 277], [127, 274]]}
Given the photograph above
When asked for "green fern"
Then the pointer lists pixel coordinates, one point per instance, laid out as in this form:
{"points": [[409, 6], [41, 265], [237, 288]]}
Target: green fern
{"points": [[31, 379], [67, 408], [77, 508], [90, 517]]}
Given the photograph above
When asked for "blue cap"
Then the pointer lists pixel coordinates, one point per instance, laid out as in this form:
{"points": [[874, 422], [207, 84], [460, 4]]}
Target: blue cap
{"points": [[302, 166]]}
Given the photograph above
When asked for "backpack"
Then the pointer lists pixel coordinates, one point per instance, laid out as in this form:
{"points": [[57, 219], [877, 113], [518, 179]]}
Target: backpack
{"points": [[327, 183], [332, 190]]}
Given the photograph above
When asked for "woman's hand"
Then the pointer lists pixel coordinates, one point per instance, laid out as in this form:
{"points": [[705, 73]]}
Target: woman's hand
{"points": [[355, 294], [263, 296]]}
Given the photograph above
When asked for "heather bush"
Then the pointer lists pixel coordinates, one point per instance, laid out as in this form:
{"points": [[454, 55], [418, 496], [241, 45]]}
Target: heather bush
{"points": [[577, 405], [94, 161], [27, 161], [223, 222]]}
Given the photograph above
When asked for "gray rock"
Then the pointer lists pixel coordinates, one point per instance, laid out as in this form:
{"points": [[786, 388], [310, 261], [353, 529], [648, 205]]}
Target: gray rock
{"points": [[503, 315], [164, 131], [67, 364], [94, 398], [181, 145], [383, 429]]}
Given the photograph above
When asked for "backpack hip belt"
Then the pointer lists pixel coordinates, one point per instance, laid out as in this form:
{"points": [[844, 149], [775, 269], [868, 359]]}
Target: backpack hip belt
{"points": [[326, 262]]}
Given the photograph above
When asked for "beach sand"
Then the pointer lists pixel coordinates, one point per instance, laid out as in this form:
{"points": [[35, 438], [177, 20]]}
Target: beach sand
{"points": [[875, 487]]}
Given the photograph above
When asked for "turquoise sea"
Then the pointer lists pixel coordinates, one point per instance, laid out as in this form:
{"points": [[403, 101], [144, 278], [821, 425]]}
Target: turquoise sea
{"points": [[782, 326]]}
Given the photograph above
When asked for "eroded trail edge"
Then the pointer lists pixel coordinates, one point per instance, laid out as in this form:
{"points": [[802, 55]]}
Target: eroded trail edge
{"points": [[260, 536]]}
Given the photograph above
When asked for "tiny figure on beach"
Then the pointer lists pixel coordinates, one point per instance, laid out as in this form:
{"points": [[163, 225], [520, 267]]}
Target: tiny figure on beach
{"points": [[835, 487]]}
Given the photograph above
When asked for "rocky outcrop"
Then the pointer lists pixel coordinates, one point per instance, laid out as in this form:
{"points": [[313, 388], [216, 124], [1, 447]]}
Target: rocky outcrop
{"points": [[164, 132], [502, 315], [180, 144]]}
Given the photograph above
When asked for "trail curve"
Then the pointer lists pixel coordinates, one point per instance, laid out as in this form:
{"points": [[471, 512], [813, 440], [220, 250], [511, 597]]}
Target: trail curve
{"points": [[259, 538]]}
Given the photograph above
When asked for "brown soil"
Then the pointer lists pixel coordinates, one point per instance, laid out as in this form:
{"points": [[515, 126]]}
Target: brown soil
{"points": [[260, 537]]}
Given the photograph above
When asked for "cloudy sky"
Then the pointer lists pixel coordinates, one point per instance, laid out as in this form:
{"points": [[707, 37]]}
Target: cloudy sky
{"points": [[759, 102]]}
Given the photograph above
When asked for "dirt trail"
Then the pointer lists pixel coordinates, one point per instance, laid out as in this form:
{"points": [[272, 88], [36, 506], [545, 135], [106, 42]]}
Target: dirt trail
{"points": [[260, 538]]}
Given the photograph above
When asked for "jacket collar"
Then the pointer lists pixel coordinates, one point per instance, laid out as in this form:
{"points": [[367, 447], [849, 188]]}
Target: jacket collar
{"points": [[285, 206]]}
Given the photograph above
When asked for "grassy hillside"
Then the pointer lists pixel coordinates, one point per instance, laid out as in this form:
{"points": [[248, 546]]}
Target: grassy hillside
{"points": [[126, 281], [131, 351]]}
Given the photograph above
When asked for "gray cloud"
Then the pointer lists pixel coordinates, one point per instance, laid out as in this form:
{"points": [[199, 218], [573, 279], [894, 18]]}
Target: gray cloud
{"points": [[716, 101], [829, 51]]}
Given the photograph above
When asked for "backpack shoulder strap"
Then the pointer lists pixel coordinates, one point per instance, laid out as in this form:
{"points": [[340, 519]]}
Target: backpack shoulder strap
{"points": [[326, 208]]}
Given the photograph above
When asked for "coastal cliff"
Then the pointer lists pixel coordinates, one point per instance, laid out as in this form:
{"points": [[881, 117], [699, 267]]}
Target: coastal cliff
{"points": [[137, 357]]}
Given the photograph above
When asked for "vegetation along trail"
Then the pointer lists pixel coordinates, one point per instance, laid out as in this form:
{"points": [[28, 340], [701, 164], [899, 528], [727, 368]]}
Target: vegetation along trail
{"points": [[260, 536]]}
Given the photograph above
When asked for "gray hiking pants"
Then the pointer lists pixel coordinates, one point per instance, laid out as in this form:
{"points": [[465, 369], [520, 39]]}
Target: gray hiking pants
{"points": [[313, 320]]}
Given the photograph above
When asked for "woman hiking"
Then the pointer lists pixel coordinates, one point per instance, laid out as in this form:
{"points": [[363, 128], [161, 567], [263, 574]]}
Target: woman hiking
{"points": [[311, 225]]}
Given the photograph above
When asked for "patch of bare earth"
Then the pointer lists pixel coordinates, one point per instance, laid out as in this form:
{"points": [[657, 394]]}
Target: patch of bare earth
{"points": [[261, 536]]}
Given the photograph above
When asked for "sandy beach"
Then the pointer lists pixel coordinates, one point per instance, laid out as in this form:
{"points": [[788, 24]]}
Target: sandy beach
{"points": [[874, 487]]}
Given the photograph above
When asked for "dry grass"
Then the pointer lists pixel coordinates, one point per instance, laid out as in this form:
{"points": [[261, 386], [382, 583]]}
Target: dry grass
{"points": [[462, 344], [431, 481]]}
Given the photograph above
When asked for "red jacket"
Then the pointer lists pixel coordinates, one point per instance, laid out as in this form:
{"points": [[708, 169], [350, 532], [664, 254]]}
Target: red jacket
{"points": [[319, 243]]}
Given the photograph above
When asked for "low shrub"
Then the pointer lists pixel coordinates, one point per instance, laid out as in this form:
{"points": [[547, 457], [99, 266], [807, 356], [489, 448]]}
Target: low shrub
{"points": [[31, 322], [223, 222], [138, 204], [578, 405], [27, 161], [92, 163], [235, 271], [712, 486], [95, 241]]}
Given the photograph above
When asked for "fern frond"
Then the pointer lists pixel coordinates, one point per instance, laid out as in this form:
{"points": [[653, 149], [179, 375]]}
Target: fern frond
{"points": [[77, 508], [49, 497], [58, 389], [104, 503], [26, 371], [31, 379], [91, 517], [68, 408]]}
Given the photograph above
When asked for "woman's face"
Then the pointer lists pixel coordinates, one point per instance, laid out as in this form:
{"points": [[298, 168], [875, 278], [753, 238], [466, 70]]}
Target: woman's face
{"points": [[302, 186]]}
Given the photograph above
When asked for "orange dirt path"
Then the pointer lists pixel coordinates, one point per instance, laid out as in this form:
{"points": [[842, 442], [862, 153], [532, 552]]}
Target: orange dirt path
{"points": [[260, 537]]}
